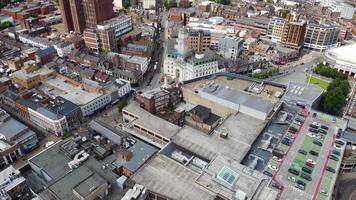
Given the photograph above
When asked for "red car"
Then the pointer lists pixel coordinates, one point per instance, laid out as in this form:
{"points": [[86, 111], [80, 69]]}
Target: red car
{"points": [[310, 163]]}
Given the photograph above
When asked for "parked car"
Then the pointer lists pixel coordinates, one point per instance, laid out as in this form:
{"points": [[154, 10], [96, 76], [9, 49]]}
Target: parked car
{"points": [[307, 170], [317, 143], [314, 153], [301, 187], [268, 173], [339, 142], [301, 183], [330, 169], [313, 130], [336, 152], [301, 151], [310, 163], [324, 127], [306, 177], [333, 157], [323, 131], [272, 167], [291, 178], [293, 171], [313, 126]]}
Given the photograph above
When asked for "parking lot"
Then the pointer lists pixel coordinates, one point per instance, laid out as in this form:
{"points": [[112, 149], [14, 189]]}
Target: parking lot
{"points": [[302, 171]]}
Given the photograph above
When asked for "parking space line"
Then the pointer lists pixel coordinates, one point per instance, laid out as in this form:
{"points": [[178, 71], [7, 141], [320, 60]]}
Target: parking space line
{"points": [[323, 173]]}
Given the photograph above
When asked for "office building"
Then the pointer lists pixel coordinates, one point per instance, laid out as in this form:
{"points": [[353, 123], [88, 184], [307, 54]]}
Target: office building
{"points": [[230, 47], [293, 34], [80, 14], [199, 41], [105, 35], [275, 28], [97, 11], [78, 18], [321, 36], [65, 9]]}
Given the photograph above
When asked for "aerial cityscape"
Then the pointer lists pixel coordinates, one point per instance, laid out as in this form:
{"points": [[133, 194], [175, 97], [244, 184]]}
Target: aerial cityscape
{"points": [[178, 99]]}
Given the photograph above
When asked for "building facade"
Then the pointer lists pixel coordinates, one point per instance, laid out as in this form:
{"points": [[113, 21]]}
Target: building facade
{"points": [[275, 28], [80, 14], [321, 36], [230, 47], [199, 41], [105, 36], [293, 34], [182, 64]]}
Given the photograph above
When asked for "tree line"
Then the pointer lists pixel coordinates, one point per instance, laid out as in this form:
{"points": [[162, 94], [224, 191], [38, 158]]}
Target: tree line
{"points": [[334, 99]]}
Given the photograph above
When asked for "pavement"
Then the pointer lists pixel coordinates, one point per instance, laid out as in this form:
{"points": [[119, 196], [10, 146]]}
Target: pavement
{"points": [[299, 70], [290, 192]]}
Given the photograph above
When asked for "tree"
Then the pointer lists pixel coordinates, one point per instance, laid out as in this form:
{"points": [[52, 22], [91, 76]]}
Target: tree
{"points": [[5, 25], [121, 105], [334, 101]]}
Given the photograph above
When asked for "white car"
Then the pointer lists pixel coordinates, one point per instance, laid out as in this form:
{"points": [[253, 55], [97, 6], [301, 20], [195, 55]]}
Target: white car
{"points": [[291, 178], [315, 123], [276, 158], [274, 168]]}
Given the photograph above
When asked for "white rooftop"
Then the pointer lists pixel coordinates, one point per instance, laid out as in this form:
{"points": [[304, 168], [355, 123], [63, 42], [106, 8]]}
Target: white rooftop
{"points": [[60, 87], [344, 53]]}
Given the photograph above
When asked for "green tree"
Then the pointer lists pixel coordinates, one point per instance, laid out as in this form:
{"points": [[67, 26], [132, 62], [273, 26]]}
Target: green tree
{"points": [[121, 105], [334, 101]]}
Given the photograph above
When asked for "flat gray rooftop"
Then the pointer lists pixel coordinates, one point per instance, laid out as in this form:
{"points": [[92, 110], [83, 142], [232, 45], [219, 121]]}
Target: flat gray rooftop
{"points": [[241, 179], [167, 177], [141, 153], [302, 92], [242, 131], [151, 122], [52, 161], [237, 97]]}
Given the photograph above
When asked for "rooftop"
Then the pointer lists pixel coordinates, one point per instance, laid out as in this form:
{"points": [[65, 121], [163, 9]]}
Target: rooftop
{"points": [[238, 97], [22, 74], [242, 130], [236, 84], [141, 153], [152, 122], [82, 179], [344, 53], [13, 130], [174, 180], [59, 86], [229, 178], [302, 92]]}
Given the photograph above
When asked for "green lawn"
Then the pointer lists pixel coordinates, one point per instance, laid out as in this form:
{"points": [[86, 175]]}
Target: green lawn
{"points": [[319, 82]]}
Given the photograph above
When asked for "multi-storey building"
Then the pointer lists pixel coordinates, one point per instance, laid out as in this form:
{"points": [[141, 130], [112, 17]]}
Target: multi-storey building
{"points": [[321, 36], [182, 64], [105, 36], [97, 11], [275, 28], [65, 8], [13, 185], [199, 41], [78, 18], [230, 47], [16, 139], [80, 14], [154, 100], [31, 75], [293, 34]]}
